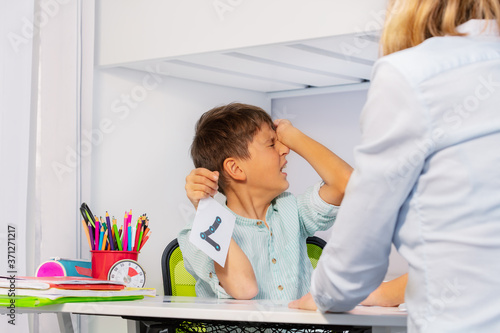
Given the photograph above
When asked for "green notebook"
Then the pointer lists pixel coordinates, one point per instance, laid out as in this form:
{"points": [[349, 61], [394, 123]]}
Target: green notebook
{"points": [[31, 301]]}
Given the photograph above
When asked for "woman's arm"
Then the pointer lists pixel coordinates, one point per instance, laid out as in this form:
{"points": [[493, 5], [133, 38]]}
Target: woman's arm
{"points": [[389, 161]]}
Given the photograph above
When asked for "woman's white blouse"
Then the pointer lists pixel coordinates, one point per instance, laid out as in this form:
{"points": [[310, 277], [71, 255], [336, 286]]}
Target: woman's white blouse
{"points": [[427, 177]]}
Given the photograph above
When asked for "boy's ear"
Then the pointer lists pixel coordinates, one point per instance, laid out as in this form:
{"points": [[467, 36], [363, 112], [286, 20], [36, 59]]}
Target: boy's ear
{"points": [[233, 169]]}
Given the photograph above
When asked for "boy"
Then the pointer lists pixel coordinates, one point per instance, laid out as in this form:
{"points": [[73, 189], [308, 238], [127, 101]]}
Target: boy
{"points": [[246, 151]]}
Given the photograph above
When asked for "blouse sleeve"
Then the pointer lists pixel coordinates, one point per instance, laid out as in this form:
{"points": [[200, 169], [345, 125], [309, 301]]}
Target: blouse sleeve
{"points": [[388, 162]]}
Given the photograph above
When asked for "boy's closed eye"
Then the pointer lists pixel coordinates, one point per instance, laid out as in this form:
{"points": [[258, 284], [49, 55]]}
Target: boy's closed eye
{"points": [[271, 142]]}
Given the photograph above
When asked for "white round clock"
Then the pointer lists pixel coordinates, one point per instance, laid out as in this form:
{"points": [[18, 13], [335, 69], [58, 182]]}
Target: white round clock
{"points": [[128, 272]]}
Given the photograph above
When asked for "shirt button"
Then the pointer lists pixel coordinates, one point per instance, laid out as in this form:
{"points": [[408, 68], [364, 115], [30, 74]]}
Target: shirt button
{"points": [[280, 287], [210, 275], [274, 261], [259, 223]]}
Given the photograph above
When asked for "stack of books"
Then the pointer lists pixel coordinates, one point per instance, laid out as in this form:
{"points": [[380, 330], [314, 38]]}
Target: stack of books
{"points": [[39, 291]]}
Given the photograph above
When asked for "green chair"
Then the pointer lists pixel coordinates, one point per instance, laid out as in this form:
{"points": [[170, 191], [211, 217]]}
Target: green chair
{"points": [[315, 247], [178, 282], [176, 279]]}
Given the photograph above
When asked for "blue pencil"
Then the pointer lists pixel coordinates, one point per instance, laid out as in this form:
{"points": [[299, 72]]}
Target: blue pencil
{"points": [[129, 237], [101, 236]]}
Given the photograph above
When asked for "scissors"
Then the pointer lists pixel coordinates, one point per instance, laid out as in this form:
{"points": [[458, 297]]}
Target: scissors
{"points": [[87, 214]]}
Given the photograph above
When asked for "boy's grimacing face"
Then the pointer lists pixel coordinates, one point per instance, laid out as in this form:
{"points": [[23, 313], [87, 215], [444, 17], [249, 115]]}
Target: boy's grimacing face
{"points": [[264, 168]]}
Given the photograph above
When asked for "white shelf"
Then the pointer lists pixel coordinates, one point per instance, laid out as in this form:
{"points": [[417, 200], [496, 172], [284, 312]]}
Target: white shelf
{"points": [[313, 63], [284, 46]]}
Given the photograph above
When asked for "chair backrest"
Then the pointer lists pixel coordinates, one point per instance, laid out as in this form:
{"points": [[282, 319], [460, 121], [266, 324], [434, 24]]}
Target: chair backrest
{"points": [[176, 279], [315, 247], [178, 282]]}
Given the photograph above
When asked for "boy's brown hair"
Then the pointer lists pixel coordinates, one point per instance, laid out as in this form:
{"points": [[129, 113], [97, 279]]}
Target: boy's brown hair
{"points": [[223, 132]]}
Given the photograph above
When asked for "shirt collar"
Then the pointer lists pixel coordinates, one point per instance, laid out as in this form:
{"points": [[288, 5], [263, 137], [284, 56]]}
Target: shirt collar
{"points": [[483, 28], [245, 220]]}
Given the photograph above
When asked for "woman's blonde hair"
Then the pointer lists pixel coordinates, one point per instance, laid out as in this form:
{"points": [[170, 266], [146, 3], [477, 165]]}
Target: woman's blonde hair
{"points": [[410, 22]]}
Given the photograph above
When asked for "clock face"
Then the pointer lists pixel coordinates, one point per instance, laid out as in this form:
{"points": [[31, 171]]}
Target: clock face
{"points": [[128, 272]]}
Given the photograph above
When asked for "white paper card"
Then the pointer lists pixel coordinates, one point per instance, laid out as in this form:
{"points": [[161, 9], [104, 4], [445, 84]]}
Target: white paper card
{"points": [[212, 229]]}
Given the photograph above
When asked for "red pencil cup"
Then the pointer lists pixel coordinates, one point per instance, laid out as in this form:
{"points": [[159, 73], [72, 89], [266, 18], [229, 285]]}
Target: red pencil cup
{"points": [[103, 260]]}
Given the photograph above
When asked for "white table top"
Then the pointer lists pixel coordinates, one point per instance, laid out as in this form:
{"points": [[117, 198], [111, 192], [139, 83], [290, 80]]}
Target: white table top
{"points": [[228, 310]]}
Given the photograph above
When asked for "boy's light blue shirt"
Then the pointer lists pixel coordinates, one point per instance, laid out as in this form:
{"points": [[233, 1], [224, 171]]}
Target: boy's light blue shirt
{"points": [[278, 255]]}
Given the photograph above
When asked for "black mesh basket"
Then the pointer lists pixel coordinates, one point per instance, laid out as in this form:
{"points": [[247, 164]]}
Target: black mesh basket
{"points": [[206, 326]]}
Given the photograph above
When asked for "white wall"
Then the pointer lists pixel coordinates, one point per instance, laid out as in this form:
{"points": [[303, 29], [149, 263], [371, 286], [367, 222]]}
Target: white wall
{"points": [[333, 120], [15, 137], [141, 157]]}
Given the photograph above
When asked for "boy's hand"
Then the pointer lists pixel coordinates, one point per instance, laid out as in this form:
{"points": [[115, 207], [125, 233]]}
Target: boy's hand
{"points": [[304, 303], [201, 183], [333, 170]]}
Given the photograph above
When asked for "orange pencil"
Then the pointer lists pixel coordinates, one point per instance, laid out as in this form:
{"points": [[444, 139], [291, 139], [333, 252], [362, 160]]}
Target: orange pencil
{"points": [[104, 239], [145, 240], [113, 236], [86, 229]]}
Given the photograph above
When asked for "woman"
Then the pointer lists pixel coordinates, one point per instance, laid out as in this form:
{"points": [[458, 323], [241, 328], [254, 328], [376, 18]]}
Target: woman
{"points": [[427, 172]]}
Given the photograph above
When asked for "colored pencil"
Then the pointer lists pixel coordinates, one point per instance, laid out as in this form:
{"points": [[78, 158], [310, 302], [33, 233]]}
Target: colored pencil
{"points": [[145, 240], [91, 233], [137, 233], [141, 233], [129, 244], [125, 232], [96, 236], [108, 222], [117, 235], [101, 236], [86, 230], [104, 240], [130, 231]]}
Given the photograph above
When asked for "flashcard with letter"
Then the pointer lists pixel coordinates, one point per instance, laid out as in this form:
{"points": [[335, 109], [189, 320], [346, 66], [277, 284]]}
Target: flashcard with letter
{"points": [[212, 229]]}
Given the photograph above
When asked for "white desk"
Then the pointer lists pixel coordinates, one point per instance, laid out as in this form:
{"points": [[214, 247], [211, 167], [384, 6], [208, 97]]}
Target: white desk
{"points": [[386, 320]]}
